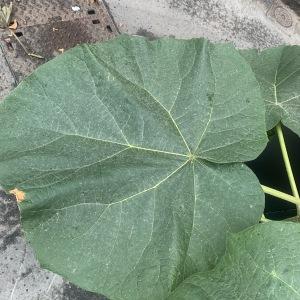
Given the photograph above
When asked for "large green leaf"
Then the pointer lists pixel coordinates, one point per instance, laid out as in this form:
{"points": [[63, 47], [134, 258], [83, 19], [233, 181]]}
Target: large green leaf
{"points": [[278, 73], [118, 146], [260, 263]]}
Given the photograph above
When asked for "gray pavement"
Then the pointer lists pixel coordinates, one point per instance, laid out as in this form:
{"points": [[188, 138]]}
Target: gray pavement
{"points": [[247, 23], [6, 78]]}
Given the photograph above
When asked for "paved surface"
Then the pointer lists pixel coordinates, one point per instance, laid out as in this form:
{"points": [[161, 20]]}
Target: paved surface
{"points": [[247, 23], [7, 81], [48, 29]]}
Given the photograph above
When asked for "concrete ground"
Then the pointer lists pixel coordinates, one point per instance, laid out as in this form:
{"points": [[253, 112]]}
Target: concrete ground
{"points": [[247, 23]]}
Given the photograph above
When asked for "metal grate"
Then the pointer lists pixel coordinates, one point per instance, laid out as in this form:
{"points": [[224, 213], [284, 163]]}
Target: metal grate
{"points": [[49, 27]]}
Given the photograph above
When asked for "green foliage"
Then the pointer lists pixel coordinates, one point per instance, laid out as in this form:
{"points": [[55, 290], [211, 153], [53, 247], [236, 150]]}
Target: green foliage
{"points": [[278, 73], [261, 262], [130, 154]]}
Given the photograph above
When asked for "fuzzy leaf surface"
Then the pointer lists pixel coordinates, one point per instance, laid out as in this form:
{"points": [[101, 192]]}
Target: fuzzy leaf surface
{"points": [[129, 154], [260, 263], [278, 73]]}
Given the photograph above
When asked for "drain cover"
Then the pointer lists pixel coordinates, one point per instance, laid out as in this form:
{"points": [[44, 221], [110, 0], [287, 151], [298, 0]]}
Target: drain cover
{"points": [[50, 27]]}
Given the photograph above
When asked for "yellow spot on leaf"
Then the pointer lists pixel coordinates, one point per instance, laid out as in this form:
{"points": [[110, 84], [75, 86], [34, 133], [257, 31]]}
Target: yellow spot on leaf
{"points": [[192, 157], [20, 195]]}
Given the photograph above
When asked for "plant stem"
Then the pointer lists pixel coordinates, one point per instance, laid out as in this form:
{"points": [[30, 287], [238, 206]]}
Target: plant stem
{"points": [[264, 219], [281, 195], [287, 164], [24, 48]]}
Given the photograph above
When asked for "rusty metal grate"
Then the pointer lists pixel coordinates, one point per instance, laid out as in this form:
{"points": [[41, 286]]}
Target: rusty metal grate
{"points": [[48, 27]]}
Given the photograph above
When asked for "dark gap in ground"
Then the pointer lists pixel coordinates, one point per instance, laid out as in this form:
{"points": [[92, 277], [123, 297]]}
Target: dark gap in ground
{"points": [[72, 292], [294, 5], [270, 170], [108, 28]]}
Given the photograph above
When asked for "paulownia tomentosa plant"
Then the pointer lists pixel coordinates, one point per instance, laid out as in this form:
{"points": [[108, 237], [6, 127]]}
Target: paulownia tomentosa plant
{"points": [[127, 160]]}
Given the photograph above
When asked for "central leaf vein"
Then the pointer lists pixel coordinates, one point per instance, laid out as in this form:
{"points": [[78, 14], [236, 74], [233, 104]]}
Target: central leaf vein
{"points": [[117, 74]]}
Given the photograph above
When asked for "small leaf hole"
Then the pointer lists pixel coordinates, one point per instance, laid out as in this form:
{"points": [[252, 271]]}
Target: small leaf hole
{"points": [[91, 12], [108, 28], [96, 21], [19, 33]]}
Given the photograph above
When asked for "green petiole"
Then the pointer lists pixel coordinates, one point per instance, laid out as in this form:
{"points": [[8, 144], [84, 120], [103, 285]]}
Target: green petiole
{"points": [[281, 195], [288, 166]]}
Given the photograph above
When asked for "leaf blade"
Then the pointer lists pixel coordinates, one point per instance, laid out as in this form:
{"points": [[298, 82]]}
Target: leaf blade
{"points": [[93, 140], [260, 263], [278, 72]]}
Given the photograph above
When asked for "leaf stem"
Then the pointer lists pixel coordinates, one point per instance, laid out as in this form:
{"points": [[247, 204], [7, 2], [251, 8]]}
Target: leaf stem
{"points": [[264, 219], [287, 164], [281, 195], [24, 48]]}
